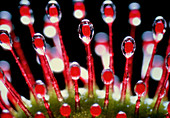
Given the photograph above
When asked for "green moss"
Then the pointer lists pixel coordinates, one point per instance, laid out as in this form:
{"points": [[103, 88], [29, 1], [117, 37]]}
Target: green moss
{"points": [[85, 103]]}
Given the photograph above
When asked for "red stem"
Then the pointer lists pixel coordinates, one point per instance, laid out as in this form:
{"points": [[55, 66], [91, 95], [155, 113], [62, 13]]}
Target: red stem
{"points": [[45, 71], [111, 53], [137, 107], [31, 28], [130, 65], [24, 74], [53, 80], [20, 53], [160, 84], [24, 63], [111, 48], [17, 98], [65, 59], [47, 106], [132, 31], [77, 99], [90, 71], [160, 96], [146, 79], [106, 101], [164, 70], [125, 81]]}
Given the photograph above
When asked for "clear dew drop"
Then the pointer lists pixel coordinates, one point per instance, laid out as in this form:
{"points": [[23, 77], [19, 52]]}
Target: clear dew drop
{"points": [[5, 40], [86, 31], [128, 46], [40, 89], [108, 11], [159, 28], [140, 88], [39, 43], [107, 76], [75, 70], [53, 11]]}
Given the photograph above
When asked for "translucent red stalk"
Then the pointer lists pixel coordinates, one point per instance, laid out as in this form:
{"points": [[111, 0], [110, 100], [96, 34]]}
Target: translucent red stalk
{"points": [[111, 53], [77, 98], [164, 71], [161, 93], [137, 106], [53, 79], [31, 28], [130, 65], [125, 81], [24, 11], [65, 59], [132, 31], [20, 53], [47, 106], [39, 46], [106, 100], [10, 98], [90, 70], [146, 78], [16, 97], [160, 84], [111, 47], [24, 74], [6, 42], [86, 32], [45, 71], [159, 28]]}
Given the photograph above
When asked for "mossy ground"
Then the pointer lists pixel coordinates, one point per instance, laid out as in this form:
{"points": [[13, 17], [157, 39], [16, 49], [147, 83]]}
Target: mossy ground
{"points": [[85, 103]]}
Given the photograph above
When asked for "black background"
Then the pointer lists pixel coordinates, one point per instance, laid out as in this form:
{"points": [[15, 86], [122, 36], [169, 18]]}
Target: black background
{"points": [[75, 48]]}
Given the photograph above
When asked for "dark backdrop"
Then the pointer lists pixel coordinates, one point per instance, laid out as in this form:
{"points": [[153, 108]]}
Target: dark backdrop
{"points": [[73, 44]]}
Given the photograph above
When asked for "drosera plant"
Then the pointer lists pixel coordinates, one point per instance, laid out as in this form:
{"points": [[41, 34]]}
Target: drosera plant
{"points": [[115, 100]]}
